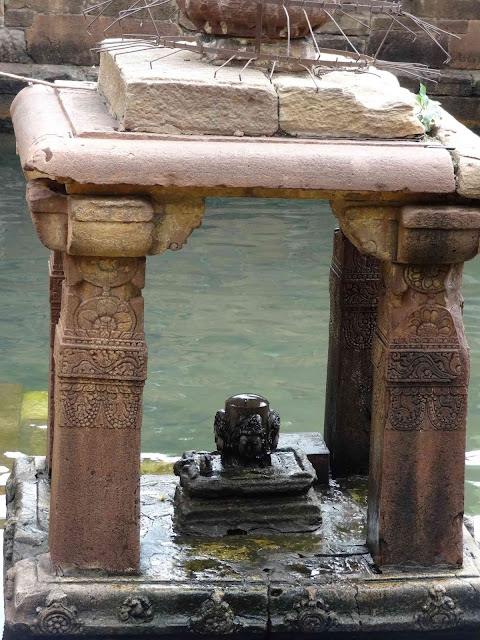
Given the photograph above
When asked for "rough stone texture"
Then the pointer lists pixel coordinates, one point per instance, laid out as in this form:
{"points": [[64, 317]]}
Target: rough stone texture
{"points": [[460, 9], [204, 475], [354, 290], [238, 18], [241, 586], [56, 277], [149, 100], [12, 46], [313, 445], [465, 52], [19, 18], [465, 153], [62, 38], [346, 105], [77, 7], [48, 72], [5, 104], [100, 368], [115, 227], [408, 47]]}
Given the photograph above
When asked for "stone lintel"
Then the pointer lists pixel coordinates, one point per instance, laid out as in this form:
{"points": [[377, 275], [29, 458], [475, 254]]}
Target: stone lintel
{"points": [[51, 147]]}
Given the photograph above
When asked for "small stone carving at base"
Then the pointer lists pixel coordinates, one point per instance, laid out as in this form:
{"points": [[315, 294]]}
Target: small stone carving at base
{"points": [[439, 612], [136, 609], [57, 617], [215, 617], [310, 615]]}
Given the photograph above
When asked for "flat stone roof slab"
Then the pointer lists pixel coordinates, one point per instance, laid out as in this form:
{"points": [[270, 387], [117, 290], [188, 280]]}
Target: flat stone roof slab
{"points": [[55, 141], [176, 91]]}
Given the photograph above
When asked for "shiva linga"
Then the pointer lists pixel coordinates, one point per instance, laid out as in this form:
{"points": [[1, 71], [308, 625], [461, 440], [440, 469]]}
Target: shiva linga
{"points": [[249, 484]]}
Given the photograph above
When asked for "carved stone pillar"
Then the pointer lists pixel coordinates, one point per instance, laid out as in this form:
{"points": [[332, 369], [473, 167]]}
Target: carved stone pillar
{"points": [[100, 368], [55, 281], [421, 370], [354, 290], [421, 360]]}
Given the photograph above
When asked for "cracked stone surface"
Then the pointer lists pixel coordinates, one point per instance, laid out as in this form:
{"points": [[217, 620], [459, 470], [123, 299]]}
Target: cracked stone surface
{"points": [[297, 584]]}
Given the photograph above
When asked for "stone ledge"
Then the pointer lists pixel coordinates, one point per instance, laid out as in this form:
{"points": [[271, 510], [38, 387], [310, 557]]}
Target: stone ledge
{"points": [[250, 585]]}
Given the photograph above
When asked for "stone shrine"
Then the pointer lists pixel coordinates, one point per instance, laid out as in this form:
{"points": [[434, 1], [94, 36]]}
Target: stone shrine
{"points": [[121, 171], [226, 492]]}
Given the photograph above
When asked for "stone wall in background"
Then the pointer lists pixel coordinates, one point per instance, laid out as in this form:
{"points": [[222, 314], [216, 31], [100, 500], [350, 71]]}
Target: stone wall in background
{"points": [[47, 39]]}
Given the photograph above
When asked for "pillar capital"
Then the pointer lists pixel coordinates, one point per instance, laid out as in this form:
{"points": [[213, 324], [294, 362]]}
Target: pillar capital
{"points": [[411, 234], [114, 226]]}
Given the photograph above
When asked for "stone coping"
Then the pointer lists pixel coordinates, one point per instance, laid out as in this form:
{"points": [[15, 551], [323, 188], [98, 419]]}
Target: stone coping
{"points": [[68, 136], [263, 587]]}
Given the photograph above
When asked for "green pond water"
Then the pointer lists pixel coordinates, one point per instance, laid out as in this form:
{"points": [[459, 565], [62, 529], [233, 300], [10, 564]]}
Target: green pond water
{"points": [[244, 306]]}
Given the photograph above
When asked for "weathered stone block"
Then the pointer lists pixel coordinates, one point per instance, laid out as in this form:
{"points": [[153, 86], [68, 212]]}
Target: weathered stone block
{"points": [[328, 41], [346, 105], [48, 72], [408, 47], [465, 153], [181, 95], [466, 52], [460, 9], [13, 46], [467, 110], [476, 82], [5, 103], [313, 445], [79, 6], [19, 17], [57, 39]]}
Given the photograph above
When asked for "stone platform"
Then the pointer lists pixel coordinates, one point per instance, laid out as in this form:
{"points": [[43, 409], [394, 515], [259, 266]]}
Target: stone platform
{"points": [[237, 585]]}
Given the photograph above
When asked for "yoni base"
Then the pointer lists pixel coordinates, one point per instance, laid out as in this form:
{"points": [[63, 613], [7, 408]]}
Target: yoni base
{"points": [[290, 586], [232, 515]]}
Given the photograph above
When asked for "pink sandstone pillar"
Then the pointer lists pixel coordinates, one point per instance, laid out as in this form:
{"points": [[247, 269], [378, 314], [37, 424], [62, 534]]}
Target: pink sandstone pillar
{"points": [[100, 369], [55, 281], [417, 461], [354, 291]]}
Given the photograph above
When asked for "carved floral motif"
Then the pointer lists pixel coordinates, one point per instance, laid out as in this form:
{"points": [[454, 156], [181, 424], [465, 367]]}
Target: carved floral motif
{"points": [[439, 611], [310, 615], [431, 323], [423, 366], [358, 327], [86, 403], [444, 407], [215, 616], [426, 278], [105, 317], [103, 362], [57, 617], [136, 609]]}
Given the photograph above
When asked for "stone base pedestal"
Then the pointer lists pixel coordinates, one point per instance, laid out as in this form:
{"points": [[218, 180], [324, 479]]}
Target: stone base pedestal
{"points": [[239, 516], [303, 585]]}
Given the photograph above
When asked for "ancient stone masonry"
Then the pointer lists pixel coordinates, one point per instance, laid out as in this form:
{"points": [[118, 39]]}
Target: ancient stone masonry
{"points": [[419, 416], [56, 278], [354, 291], [100, 362]]}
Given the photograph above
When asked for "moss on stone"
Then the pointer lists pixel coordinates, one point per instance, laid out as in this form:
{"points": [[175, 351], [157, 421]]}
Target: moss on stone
{"points": [[156, 467], [35, 405]]}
